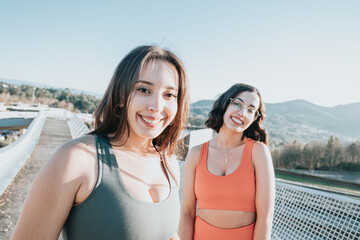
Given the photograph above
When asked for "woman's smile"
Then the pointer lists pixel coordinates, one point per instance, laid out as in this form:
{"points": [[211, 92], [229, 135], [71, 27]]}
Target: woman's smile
{"points": [[237, 120], [150, 121]]}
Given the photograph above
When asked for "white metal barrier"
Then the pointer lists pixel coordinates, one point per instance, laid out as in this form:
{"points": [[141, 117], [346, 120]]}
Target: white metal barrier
{"points": [[13, 156], [4, 115], [305, 213], [77, 127], [59, 114]]}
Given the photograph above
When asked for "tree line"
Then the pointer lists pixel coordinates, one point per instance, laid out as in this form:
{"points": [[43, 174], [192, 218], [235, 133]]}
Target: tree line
{"points": [[317, 155], [61, 98]]}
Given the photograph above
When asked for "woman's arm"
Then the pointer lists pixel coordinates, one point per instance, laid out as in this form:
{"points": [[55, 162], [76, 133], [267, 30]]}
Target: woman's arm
{"points": [[188, 208], [53, 193], [265, 190]]}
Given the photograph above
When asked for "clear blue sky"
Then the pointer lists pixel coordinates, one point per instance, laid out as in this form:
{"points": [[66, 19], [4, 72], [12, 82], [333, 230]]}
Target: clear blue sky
{"points": [[290, 50]]}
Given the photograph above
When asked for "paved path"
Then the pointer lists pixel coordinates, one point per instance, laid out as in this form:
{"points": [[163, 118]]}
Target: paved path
{"points": [[55, 133]]}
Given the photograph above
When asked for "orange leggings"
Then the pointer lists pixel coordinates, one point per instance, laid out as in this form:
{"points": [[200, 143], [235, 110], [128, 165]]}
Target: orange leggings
{"points": [[204, 230]]}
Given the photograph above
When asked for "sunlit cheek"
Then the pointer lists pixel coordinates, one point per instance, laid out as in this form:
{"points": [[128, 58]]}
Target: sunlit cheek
{"points": [[250, 121], [227, 114], [172, 110]]}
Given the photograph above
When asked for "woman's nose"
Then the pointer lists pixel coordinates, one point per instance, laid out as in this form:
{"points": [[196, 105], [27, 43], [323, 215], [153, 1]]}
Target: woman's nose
{"points": [[156, 104], [242, 111]]}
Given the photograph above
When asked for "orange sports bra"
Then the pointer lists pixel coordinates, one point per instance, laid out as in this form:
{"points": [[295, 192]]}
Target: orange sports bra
{"points": [[235, 191]]}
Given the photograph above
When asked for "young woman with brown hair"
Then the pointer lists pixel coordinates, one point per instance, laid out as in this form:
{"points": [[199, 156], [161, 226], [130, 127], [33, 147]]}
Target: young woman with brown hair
{"points": [[231, 177], [121, 181]]}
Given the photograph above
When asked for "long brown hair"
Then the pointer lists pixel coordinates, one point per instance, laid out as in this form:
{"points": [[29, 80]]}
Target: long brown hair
{"points": [[111, 116], [216, 116]]}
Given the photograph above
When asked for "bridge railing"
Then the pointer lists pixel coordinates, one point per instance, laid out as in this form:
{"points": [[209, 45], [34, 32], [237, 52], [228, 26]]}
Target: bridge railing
{"points": [[77, 127], [58, 114], [13, 156], [306, 213]]}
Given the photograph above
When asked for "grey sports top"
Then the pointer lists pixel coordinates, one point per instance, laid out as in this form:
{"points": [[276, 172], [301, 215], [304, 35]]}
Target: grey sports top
{"points": [[111, 212]]}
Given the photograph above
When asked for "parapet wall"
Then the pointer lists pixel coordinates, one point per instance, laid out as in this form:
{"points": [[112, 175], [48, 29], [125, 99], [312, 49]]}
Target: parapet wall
{"points": [[77, 127], [13, 156]]}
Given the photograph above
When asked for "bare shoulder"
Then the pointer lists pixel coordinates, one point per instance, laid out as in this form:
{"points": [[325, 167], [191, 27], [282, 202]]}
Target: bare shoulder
{"points": [[78, 147], [81, 144], [260, 153], [196, 149], [261, 159], [74, 157], [193, 156]]}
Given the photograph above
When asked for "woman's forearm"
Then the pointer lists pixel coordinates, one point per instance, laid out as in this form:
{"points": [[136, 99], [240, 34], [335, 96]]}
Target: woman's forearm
{"points": [[262, 229], [186, 229]]}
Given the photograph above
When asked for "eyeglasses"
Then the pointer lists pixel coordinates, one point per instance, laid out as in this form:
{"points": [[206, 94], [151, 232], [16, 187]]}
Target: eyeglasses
{"points": [[250, 112]]}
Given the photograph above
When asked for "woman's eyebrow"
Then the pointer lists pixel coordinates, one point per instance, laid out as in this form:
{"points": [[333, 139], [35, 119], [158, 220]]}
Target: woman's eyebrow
{"points": [[172, 88], [152, 84], [240, 99], [244, 102], [143, 81]]}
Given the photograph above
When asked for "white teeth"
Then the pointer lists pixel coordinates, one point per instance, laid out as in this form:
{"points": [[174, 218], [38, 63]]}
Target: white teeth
{"points": [[237, 120], [149, 121]]}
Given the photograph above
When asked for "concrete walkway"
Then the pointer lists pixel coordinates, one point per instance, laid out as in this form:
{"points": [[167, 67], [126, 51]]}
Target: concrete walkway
{"points": [[54, 133]]}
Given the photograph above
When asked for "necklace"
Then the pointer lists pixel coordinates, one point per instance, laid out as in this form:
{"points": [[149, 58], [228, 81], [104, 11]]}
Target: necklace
{"points": [[226, 156], [225, 152]]}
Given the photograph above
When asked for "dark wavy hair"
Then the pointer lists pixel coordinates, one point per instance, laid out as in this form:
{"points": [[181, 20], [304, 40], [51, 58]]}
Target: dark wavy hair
{"points": [[216, 116], [111, 116]]}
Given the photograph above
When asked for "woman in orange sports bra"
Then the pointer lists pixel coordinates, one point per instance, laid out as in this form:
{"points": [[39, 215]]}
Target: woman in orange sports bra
{"points": [[229, 183]]}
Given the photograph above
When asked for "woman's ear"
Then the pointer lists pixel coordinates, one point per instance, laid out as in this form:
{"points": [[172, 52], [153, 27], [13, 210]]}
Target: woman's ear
{"points": [[117, 110], [121, 103]]}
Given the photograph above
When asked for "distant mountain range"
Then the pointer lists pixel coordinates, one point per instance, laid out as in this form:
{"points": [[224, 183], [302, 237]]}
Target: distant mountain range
{"points": [[303, 121], [41, 85]]}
